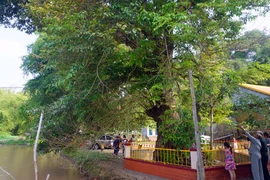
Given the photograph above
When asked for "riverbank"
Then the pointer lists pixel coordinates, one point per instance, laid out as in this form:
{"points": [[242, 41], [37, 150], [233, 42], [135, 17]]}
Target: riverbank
{"points": [[17, 160], [92, 164], [12, 140], [103, 165]]}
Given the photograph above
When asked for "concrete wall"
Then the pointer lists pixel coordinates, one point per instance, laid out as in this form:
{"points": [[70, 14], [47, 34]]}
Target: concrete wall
{"points": [[173, 172]]}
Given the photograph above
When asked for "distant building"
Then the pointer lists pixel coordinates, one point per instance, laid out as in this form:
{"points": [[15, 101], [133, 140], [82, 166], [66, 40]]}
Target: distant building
{"points": [[262, 92], [244, 89], [257, 90], [149, 134]]}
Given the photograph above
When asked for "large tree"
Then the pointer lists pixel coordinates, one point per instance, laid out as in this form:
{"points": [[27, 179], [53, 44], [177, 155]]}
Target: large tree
{"points": [[13, 112], [250, 54], [13, 13], [105, 52]]}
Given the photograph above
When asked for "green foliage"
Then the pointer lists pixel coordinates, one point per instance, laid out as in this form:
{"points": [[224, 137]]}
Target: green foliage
{"points": [[251, 56], [14, 14], [179, 133], [89, 156], [87, 160], [5, 135], [12, 114], [17, 142], [255, 109], [6, 138], [101, 66]]}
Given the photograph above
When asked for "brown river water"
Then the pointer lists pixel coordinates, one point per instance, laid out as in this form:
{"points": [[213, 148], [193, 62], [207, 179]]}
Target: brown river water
{"points": [[18, 162]]}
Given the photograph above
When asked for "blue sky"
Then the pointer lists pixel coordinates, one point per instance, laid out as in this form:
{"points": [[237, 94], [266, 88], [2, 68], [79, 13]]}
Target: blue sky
{"points": [[13, 45]]}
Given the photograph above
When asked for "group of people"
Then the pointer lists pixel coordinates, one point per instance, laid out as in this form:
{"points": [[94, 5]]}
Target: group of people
{"points": [[120, 142], [258, 151]]}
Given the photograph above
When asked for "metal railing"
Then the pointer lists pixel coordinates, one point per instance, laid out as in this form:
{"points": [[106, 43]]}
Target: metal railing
{"points": [[143, 144], [216, 157], [165, 156], [220, 144], [211, 158]]}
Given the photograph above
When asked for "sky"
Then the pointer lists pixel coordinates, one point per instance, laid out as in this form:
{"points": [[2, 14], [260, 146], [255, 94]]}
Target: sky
{"points": [[13, 46], [261, 23]]}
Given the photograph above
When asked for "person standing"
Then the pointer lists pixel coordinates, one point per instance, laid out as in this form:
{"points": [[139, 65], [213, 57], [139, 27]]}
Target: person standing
{"points": [[132, 139], [229, 161], [255, 155], [267, 138], [124, 142], [116, 143], [264, 153]]}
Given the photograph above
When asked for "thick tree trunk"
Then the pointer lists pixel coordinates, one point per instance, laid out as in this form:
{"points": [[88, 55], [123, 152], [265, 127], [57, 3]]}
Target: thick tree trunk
{"points": [[155, 112]]}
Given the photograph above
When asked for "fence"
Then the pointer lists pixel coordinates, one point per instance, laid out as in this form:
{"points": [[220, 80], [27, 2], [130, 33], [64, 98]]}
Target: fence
{"points": [[143, 144], [216, 144], [216, 157], [166, 156], [211, 158], [234, 144]]}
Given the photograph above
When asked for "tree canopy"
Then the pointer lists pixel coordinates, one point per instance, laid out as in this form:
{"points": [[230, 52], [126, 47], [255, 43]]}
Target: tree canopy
{"points": [[101, 64], [13, 13], [13, 112]]}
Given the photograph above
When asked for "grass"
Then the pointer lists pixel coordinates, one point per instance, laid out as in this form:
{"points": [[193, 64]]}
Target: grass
{"points": [[16, 142], [6, 138], [88, 161]]}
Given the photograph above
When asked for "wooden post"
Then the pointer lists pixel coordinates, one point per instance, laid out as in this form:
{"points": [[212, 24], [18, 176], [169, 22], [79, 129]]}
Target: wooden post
{"points": [[7, 173], [200, 167], [35, 146]]}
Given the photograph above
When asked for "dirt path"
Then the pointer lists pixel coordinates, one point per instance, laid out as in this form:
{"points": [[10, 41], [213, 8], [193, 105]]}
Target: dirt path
{"points": [[117, 171]]}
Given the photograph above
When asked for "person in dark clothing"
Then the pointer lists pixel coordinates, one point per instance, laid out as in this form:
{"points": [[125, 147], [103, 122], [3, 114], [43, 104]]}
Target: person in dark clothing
{"points": [[267, 138], [264, 153], [116, 147]]}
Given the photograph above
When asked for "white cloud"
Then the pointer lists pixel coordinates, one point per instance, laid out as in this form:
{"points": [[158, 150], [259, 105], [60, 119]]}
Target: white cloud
{"points": [[261, 23], [13, 46]]}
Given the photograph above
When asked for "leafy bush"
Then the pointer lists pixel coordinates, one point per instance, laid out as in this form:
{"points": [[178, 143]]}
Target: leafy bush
{"points": [[87, 161], [16, 142]]}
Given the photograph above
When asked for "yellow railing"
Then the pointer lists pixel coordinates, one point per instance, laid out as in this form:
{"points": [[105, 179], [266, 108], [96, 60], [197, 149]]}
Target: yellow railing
{"points": [[216, 157], [143, 144], [211, 158], [166, 156], [220, 144]]}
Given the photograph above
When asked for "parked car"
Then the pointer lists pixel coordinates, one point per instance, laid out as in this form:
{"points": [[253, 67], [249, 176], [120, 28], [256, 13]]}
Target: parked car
{"points": [[205, 139], [105, 141]]}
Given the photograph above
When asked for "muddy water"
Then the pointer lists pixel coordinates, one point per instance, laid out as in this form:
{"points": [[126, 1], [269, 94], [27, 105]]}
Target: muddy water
{"points": [[18, 162]]}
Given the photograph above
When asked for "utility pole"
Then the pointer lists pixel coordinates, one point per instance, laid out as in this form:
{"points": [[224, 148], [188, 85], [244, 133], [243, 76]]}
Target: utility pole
{"points": [[200, 167]]}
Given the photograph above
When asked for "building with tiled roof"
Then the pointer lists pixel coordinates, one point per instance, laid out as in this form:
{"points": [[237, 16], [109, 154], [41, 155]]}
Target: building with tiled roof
{"points": [[261, 91]]}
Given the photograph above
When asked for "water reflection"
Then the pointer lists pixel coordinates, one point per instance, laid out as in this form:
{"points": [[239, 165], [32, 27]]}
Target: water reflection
{"points": [[18, 161]]}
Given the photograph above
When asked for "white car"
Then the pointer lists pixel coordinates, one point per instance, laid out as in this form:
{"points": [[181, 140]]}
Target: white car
{"points": [[205, 139], [105, 141]]}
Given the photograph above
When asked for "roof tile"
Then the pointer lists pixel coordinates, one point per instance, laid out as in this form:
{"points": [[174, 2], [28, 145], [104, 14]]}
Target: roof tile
{"points": [[257, 88]]}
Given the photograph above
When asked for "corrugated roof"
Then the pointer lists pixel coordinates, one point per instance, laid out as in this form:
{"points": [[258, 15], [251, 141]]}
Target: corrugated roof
{"points": [[257, 88]]}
